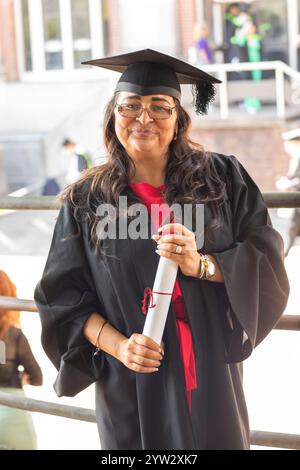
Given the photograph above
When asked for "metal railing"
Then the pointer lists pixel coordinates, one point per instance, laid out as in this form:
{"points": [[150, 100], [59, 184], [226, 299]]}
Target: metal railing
{"points": [[280, 69], [55, 409], [272, 199], [40, 203], [287, 322], [258, 438]]}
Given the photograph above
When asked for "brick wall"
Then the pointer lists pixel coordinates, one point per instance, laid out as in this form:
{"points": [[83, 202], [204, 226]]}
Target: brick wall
{"points": [[186, 12], [259, 149], [8, 53], [114, 27]]}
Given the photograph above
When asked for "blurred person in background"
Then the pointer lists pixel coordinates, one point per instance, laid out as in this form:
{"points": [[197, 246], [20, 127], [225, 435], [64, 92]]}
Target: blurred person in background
{"points": [[79, 160], [250, 38], [291, 182], [203, 46], [16, 426], [235, 20], [51, 187]]}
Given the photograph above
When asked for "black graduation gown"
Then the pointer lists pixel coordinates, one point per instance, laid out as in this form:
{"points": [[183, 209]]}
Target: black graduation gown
{"points": [[150, 411]]}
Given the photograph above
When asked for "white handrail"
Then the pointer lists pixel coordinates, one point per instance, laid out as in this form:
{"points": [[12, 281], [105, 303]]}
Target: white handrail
{"points": [[290, 71], [280, 68], [280, 101], [240, 66]]}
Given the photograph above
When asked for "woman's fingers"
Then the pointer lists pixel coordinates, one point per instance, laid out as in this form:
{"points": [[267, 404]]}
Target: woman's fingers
{"points": [[146, 352], [145, 361], [141, 369], [145, 355], [147, 342]]}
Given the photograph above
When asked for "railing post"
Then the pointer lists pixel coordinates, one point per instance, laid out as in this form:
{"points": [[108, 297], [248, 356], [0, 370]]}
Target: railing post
{"points": [[280, 101], [224, 110]]}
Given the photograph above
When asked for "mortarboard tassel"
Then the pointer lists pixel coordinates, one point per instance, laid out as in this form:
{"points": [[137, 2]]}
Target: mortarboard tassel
{"points": [[203, 93]]}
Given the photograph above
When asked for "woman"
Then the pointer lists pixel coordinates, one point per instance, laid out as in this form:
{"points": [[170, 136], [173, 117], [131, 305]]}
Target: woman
{"points": [[16, 427], [204, 50], [95, 290]]}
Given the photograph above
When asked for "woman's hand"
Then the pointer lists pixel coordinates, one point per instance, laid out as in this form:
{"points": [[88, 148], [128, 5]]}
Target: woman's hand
{"points": [[140, 353], [189, 259]]}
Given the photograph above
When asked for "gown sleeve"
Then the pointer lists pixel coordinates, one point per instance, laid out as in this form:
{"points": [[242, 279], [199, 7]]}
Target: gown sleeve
{"points": [[65, 297], [256, 287]]}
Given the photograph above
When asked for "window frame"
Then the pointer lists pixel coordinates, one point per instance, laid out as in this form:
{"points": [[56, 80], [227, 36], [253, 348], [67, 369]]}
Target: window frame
{"points": [[37, 41]]}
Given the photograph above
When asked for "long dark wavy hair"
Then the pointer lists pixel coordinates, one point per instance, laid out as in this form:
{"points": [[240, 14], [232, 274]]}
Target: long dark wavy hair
{"points": [[190, 177]]}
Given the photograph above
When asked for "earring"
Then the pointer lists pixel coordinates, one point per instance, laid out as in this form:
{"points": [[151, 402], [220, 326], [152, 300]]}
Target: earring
{"points": [[175, 136]]}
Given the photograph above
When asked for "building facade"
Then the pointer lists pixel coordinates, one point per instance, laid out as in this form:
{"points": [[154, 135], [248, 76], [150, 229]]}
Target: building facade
{"points": [[49, 94], [47, 36]]}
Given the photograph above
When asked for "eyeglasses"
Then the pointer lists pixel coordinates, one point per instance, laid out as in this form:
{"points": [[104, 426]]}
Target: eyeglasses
{"points": [[154, 111]]}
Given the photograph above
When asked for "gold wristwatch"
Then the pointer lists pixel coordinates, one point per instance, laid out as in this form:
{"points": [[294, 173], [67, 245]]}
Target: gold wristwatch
{"points": [[207, 267]]}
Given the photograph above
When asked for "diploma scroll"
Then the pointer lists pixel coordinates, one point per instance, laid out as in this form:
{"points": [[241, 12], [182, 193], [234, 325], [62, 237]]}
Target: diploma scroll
{"points": [[161, 297]]}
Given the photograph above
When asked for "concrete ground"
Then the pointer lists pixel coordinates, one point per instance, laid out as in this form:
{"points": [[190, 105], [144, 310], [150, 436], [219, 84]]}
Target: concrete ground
{"points": [[272, 381]]}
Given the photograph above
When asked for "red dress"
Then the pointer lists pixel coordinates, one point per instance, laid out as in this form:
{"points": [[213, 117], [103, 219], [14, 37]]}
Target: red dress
{"points": [[151, 195]]}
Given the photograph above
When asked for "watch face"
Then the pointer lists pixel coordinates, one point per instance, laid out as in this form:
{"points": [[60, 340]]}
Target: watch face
{"points": [[211, 269]]}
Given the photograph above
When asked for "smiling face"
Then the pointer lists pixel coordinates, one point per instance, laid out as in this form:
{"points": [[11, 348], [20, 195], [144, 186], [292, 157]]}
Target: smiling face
{"points": [[145, 136]]}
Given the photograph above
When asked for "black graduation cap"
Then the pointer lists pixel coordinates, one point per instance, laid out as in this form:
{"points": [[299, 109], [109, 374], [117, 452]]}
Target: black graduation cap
{"points": [[147, 72]]}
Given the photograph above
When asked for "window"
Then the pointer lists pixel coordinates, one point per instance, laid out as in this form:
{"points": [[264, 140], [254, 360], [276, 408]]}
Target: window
{"points": [[272, 17], [105, 26], [26, 36], [52, 35], [148, 23], [82, 47], [60, 34]]}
